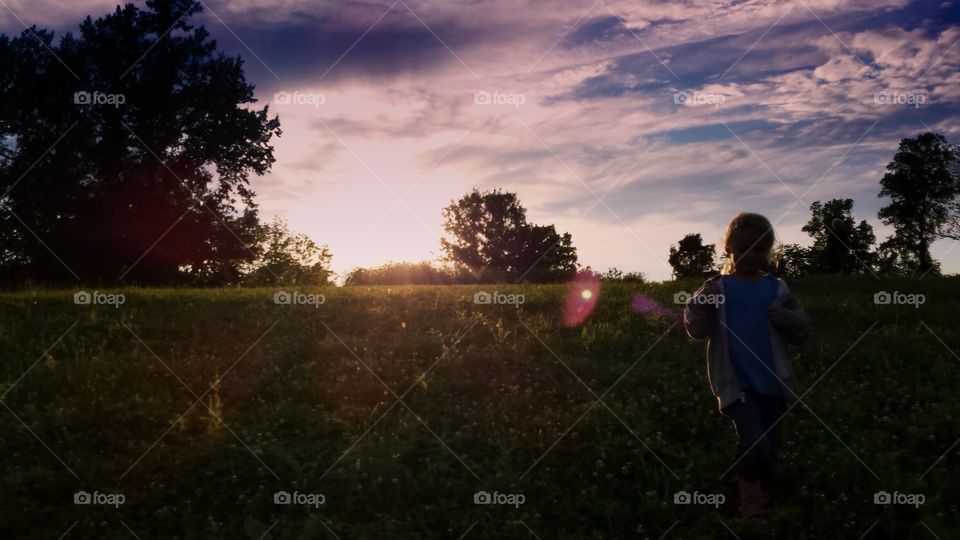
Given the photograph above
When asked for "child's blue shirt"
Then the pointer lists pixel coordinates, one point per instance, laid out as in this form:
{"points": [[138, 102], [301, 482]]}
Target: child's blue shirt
{"points": [[748, 331]]}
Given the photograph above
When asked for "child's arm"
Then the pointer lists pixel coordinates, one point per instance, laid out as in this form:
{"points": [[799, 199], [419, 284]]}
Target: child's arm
{"points": [[790, 319], [700, 318]]}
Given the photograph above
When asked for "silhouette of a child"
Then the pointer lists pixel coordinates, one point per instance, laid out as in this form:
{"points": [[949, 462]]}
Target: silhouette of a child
{"points": [[748, 317]]}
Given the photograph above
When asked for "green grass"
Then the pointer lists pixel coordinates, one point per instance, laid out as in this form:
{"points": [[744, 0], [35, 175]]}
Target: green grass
{"points": [[491, 390]]}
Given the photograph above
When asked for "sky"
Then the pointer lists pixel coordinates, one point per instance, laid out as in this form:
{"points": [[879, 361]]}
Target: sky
{"points": [[626, 123]]}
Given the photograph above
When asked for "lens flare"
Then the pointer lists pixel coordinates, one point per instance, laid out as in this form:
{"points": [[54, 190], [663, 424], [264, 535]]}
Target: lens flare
{"points": [[646, 305], [582, 296]]}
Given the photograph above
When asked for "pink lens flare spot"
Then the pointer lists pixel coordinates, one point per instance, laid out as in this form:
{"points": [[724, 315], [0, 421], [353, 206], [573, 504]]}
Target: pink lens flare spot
{"points": [[645, 305], [582, 296]]}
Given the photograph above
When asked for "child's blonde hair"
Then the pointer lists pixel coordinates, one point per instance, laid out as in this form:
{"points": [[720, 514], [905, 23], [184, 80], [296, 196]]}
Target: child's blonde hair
{"points": [[748, 244]]}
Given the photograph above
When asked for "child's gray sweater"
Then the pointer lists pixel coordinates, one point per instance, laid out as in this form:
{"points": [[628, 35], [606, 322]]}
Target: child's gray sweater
{"points": [[708, 320]]}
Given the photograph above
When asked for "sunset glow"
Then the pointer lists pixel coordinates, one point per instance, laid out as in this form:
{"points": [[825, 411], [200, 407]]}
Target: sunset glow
{"points": [[627, 124]]}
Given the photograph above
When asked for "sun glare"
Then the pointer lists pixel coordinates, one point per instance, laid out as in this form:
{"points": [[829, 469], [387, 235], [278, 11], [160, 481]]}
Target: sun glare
{"points": [[582, 295]]}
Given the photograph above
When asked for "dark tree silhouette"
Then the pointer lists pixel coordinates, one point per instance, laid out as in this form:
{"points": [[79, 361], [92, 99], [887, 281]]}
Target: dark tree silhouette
{"points": [[691, 258], [402, 273], [287, 258], [921, 187], [951, 227], [127, 151], [890, 259], [615, 274], [840, 245], [488, 234], [792, 260]]}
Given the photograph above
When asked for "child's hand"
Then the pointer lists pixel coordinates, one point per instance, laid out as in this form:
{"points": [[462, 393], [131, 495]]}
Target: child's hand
{"points": [[778, 316], [791, 322]]}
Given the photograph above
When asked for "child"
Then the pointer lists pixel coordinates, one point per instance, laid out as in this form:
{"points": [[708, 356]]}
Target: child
{"points": [[748, 324]]}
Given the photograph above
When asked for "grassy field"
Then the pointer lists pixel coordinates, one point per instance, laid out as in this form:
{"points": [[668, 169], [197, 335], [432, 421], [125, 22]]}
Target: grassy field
{"points": [[196, 407]]}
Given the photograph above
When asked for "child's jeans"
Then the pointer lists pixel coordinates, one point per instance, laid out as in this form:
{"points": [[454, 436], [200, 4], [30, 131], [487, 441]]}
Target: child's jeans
{"points": [[759, 438]]}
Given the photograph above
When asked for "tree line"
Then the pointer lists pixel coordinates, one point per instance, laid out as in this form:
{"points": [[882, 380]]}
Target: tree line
{"points": [[126, 153], [489, 239], [126, 160], [922, 183]]}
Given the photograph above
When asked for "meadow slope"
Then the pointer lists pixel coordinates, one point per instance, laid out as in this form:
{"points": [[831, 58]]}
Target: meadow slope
{"points": [[198, 406]]}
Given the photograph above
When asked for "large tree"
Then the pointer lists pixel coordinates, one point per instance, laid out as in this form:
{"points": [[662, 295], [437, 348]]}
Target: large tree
{"points": [[488, 233], [692, 258], [922, 187], [840, 244], [127, 152]]}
